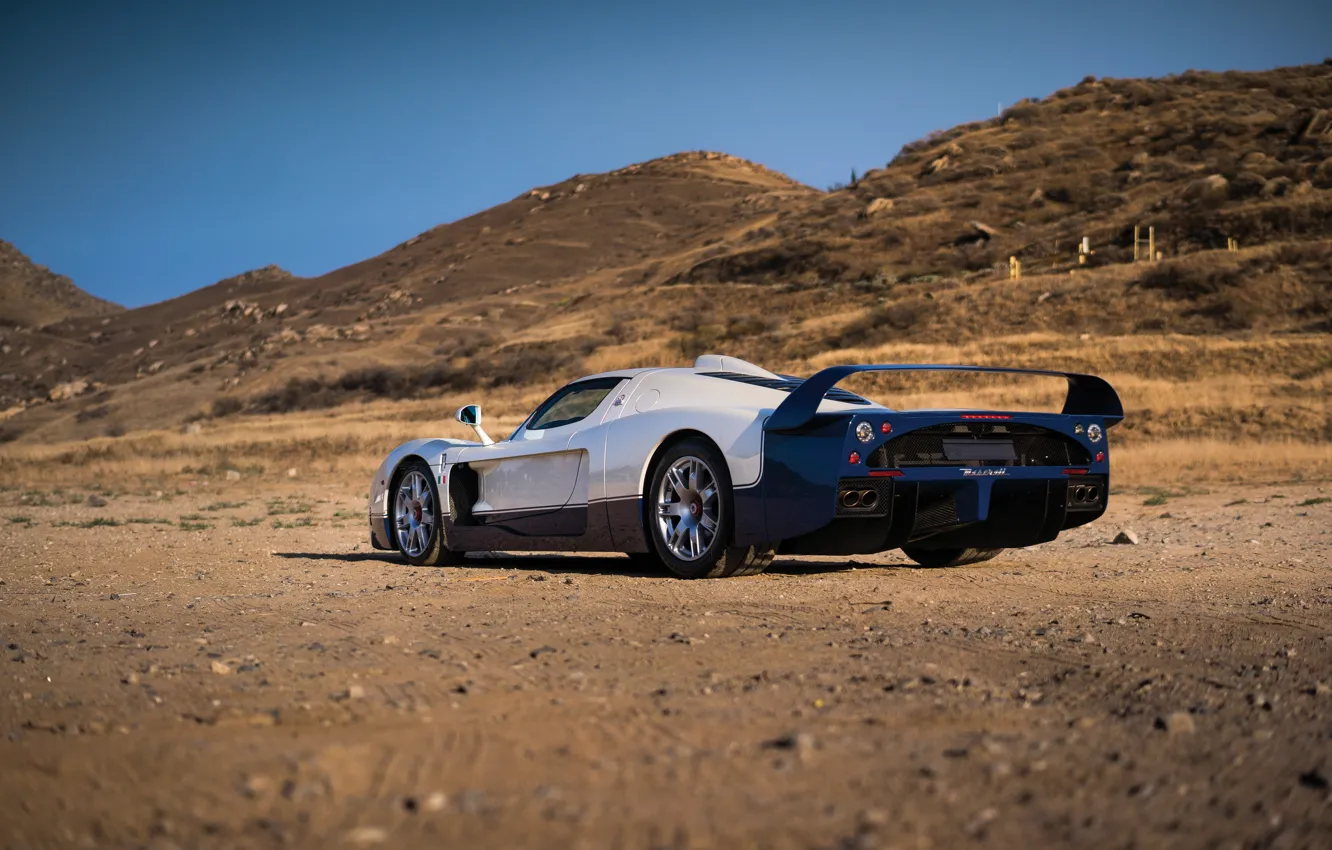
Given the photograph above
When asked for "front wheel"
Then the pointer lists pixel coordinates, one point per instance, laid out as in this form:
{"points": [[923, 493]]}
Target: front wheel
{"points": [[690, 515], [417, 521], [948, 557]]}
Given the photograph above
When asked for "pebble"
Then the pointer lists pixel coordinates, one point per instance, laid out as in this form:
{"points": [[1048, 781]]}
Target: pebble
{"points": [[365, 835], [801, 743], [1126, 536], [1177, 723], [435, 802], [96, 501], [257, 786], [221, 668]]}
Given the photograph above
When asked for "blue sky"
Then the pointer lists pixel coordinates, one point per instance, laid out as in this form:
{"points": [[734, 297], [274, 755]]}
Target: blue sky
{"points": [[150, 148]]}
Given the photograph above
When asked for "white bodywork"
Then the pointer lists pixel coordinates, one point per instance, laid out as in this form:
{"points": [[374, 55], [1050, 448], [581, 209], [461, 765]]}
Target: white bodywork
{"points": [[606, 455]]}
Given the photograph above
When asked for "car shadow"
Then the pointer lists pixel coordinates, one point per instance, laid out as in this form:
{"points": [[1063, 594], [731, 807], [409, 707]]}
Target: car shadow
{"points": [[580, 564], [348, 557]]}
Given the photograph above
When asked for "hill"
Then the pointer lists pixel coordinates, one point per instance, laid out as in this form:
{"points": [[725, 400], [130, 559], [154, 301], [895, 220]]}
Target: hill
{"points": [[33, 295], [659, 261]]}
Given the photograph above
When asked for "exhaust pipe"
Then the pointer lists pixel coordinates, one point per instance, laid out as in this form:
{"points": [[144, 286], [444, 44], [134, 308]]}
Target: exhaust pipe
{"points": [[850, 499], [868, 498], [1093, 494], [1080, 493]]}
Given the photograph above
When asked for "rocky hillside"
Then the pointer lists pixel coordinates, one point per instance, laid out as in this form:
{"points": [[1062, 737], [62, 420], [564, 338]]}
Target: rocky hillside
{"points": [[658, 261], [33, 295]]}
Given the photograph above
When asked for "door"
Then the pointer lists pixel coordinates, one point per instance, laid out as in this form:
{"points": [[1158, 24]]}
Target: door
{"points": [[535, 483]]}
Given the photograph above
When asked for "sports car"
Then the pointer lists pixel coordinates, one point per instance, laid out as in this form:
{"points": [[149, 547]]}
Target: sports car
{"points": [[710, 470]]}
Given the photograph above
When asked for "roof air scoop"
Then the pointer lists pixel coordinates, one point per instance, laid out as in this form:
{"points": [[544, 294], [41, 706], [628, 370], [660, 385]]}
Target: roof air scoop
{"points": [[722, 363]]}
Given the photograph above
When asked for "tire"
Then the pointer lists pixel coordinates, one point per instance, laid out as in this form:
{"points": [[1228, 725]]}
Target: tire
{"points": [[415, 517], [689, 515], [934, 558]]}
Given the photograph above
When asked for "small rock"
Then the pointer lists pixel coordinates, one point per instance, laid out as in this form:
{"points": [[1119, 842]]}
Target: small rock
{"points": [[1320, 689], [435, 802], [1314, 779], [799, 742], [292, 472], [366, 835], [391, 640], [257, 786], [1126, 537], [220, 668], [233, 475], [352, 692], [96, 501], [192, 428], [1177, 723]]}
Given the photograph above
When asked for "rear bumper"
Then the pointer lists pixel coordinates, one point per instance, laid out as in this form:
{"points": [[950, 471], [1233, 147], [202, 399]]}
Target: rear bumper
{"points": [[820, 493], [945, 513]]}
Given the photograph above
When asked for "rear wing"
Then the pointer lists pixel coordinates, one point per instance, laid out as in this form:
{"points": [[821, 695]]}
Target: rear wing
{"points": [[1088, 395]]}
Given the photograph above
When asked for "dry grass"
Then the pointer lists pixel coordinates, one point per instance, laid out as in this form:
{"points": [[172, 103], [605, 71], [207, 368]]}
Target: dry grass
{"points": [[343, 448]]}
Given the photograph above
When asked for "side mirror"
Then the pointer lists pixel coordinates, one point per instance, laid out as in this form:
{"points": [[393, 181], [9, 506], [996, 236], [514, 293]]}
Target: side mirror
{"points": [[470, 415]]}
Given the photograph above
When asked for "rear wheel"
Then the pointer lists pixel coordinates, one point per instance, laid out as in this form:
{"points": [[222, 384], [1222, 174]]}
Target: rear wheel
{"points": [[690, 515], [417, 519], [948, 557]]}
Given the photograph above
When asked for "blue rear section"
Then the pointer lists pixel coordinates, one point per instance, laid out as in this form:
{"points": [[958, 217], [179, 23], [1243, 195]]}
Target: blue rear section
{"points": [[983, 503]]}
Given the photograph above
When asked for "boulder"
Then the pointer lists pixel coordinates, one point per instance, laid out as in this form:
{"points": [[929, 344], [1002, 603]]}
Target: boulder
{"points": [[1246, 185], [877, 206], [68, 390], [1212, 189], [1277, 187], [1322, 176], [937, 165]]}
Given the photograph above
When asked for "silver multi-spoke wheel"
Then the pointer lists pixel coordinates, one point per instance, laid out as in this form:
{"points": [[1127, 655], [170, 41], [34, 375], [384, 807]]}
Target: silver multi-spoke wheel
{"points": [[414, 514], [688, 508]]}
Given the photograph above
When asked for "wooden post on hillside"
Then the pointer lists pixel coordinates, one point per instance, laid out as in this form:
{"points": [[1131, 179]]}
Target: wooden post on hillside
{"points": [[1232, 245], [1084, 250], [1138, 254], [1014, 268]]}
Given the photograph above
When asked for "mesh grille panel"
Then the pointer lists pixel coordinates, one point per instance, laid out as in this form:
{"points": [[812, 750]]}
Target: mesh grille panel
{"points": [[1032, 446]]}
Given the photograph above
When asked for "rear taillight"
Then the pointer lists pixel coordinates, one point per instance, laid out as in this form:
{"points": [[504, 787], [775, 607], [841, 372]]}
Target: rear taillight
{"points": [[854, 458]]}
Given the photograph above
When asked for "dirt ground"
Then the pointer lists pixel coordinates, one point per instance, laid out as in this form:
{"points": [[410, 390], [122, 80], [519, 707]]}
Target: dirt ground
{"points": [[205, 670]]}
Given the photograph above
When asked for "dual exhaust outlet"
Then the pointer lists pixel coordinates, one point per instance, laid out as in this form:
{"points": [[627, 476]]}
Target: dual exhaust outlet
{"points": [[1085, 494], [859, 499]]}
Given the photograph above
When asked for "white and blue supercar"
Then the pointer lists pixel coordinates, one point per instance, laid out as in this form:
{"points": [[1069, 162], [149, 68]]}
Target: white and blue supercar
{"points": [[713, 469]]}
